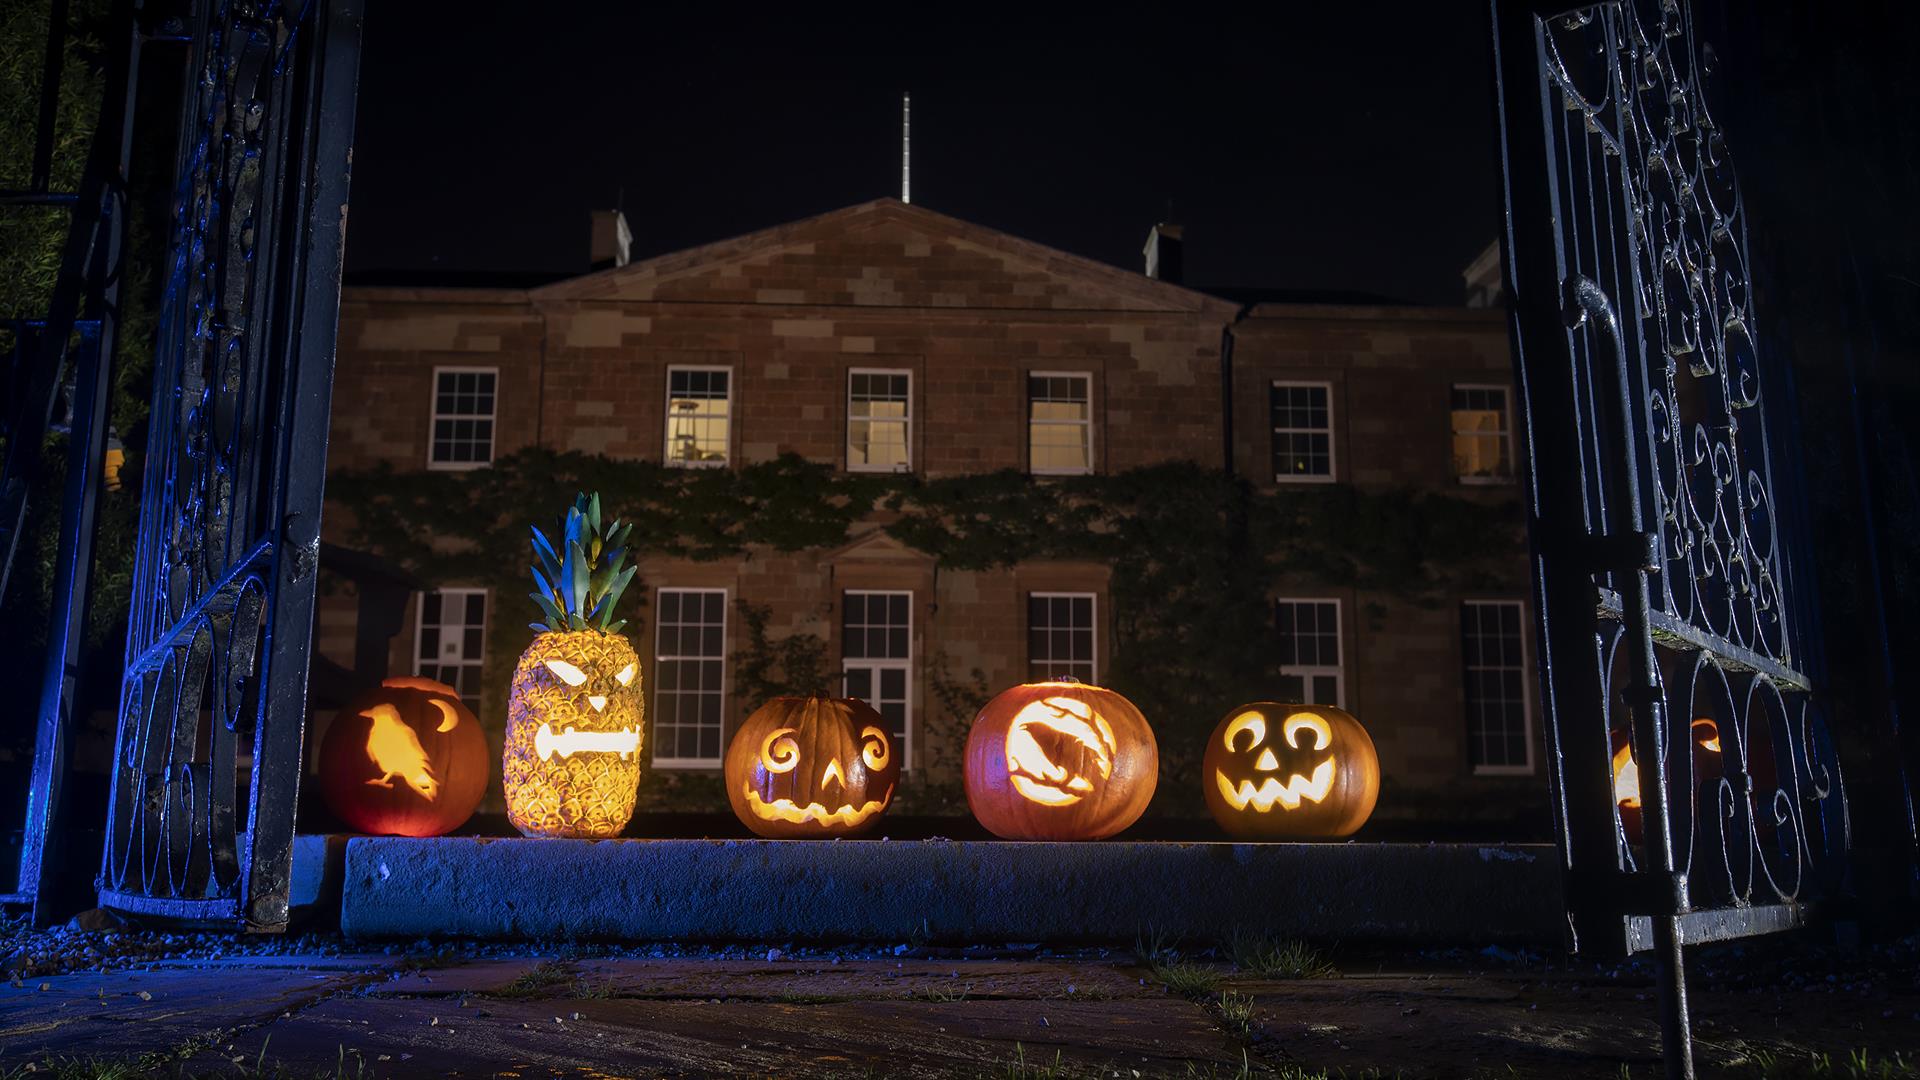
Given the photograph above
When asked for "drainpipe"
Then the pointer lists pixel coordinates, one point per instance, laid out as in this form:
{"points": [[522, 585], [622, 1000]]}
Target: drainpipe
{"points": [[1226, 388]]}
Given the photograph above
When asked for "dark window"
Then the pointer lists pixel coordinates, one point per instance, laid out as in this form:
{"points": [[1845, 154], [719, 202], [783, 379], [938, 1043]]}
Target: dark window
{"points": [[1060, 639], [463, 413], [1302, 416], [1494, 673]]}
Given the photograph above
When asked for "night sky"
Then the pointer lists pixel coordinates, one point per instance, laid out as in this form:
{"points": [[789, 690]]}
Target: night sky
{"points": [[1322, 147]]}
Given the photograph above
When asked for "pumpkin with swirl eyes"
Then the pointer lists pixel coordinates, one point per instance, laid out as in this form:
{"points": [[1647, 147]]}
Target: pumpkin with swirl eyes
{"points": [[811, 768], [1060, 761], [1287, 772]]}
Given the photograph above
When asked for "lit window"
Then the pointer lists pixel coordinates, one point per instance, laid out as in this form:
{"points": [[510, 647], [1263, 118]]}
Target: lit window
{"points": [[1310, 671], [1302, 431], [1494, 678], [450, 638], [876, 650], [698, 415], [1060, 422], [689, 678], [879, 421], [1060, 636], [463, 414], [1481, 443]]}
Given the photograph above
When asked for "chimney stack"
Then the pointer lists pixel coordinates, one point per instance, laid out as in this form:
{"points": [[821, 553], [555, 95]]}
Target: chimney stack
{"points": [[1164, 261], [610, 239]]}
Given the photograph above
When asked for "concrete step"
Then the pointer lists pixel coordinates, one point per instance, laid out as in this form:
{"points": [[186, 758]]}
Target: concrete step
{"points": [[950, 891]]}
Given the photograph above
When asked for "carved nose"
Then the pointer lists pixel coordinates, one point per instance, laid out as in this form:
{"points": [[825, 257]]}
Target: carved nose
{"points": [[1267, 762], [833, 773], [599, 702]]}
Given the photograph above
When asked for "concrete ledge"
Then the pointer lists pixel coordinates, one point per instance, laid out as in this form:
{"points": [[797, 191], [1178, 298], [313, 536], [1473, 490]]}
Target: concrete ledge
{"points": [[951, 891]]}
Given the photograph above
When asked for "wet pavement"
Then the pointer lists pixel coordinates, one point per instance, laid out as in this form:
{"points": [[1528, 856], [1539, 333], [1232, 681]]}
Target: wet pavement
{"points": [[211, 1005]]}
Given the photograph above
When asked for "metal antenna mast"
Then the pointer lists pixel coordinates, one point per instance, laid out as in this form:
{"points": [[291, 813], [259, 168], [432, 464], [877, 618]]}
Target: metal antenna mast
{"points": [[906, 148]]}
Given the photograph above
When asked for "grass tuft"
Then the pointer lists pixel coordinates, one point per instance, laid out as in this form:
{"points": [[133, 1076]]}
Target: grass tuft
{"points": [[1280, 959]]}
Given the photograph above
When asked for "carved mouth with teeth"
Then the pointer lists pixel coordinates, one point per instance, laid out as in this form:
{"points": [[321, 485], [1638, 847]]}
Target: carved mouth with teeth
{"points": [[1271, 792], [786, 810], [547, 742]]}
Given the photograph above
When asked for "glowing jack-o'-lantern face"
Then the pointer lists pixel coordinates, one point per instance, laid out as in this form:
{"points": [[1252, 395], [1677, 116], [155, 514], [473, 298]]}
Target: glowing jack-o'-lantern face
{"points": [[818, 767], [1707, 766], [1060, 761], [406, 759], [1277, 771], [572, 759]]}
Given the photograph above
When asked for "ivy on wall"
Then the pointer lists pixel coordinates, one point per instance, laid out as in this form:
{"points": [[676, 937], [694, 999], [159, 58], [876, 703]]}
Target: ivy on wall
{"points": [[1194, 553]]}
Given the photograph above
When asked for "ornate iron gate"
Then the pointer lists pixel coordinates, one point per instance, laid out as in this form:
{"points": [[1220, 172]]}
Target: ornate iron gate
{"points": [[223, 587], [1669, 617], [73, 347]]}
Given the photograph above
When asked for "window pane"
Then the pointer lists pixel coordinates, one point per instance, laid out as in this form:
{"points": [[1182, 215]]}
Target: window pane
{"points": [[689, 674], [1494, 683]]}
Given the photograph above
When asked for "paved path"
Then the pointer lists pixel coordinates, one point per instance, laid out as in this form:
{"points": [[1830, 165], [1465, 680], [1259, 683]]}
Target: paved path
{"points": [[916, 1012]]}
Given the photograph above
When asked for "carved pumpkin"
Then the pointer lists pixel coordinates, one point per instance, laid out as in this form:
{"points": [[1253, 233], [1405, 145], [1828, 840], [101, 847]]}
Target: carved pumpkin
{"points": [[1060, 761], [811, 767], [1277, 772], [405, 759], [572, 759], [1708, 766]]}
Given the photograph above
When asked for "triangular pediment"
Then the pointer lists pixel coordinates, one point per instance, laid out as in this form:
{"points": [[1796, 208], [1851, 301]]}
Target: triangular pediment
{"points": [[884, 253], [876, 545]]}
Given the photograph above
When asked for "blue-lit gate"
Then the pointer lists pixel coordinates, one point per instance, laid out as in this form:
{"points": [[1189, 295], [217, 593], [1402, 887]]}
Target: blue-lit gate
{"points": [[1695, 785], [213, 703]]}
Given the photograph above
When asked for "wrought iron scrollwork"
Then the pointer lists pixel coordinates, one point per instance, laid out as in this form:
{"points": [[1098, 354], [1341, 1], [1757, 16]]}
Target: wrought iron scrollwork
{"points": [[1650, 211], [217, 649]]}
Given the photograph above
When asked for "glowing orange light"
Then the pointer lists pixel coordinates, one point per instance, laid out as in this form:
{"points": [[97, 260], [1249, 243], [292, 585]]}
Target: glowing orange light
{"points": [[1626, 779], [1707, 734], [396, 750]]}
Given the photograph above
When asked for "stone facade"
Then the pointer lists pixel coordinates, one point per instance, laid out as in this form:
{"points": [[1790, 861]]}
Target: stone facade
{"points": [[792, 314]]}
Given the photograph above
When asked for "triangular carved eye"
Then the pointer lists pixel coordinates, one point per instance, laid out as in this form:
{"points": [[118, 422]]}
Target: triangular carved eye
{"points": [[573, 676], [625, 678]]}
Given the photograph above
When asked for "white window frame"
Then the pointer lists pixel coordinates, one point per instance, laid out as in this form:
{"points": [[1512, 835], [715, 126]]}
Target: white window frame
{"points": [[666, 453], [1094, 628], [1308, 672], [1087, 423], [1526, 692], [434, 417], [1506, 396], [726, 605], [908, 466], [876, 666], [420, 628], [1332, 428]]}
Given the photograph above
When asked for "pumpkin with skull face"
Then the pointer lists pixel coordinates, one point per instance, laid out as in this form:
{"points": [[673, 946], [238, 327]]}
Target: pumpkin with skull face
{"points": [[1060, 761], [811, 767], [1281, 772], [572, 761]]}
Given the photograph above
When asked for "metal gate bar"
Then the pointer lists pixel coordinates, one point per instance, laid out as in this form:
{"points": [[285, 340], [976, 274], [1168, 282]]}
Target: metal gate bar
{"points": [[224, 575], [1696, 791], [79, 335]]}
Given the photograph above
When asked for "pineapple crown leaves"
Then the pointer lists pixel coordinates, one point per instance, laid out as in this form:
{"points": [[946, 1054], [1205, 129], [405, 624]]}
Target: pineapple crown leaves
{"points": [[579, 580]]}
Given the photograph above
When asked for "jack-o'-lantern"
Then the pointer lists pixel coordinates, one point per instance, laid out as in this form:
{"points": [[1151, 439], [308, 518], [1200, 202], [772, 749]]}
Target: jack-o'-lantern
{"points": [[405, 759], [572, 761], [811, 767], [1060, 761], [1281, 772], [1707, 765]]}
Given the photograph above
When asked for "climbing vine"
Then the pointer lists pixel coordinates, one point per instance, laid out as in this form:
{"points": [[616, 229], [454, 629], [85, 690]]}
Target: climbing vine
{"points": [[1194, 554]]}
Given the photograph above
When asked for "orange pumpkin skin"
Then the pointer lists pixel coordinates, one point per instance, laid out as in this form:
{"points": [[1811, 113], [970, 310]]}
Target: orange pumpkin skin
{"points": [[1290, 772], [811, 768], [406, 759], [1060, 761]]}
